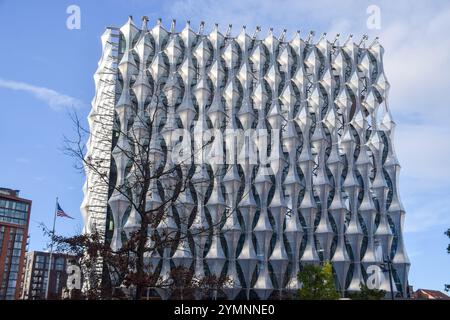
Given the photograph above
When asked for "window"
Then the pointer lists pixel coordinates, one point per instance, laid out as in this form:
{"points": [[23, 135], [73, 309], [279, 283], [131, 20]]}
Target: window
{"points": [[58, 282], [39, 262], [14, 267], [59, 264], [15, 212]]}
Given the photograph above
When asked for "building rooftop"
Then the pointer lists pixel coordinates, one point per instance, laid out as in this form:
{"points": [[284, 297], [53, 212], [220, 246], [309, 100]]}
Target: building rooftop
{"points": [[430, 294], [9, 192]]}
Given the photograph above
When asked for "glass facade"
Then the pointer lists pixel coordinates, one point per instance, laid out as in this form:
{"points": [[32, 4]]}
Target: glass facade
{"points": [[11, 273], [14, 216], [36, 275], [14, 211]]}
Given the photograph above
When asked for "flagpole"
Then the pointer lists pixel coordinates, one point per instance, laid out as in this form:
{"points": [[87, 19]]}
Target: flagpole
{"points": [[51, 251]]}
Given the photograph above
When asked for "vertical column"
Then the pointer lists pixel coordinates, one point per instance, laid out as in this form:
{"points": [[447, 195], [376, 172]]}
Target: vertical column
{"points": [[308, 206], [169, 177], [321, 142], [232, 180], [186, 112], [278, 258], [201, 178], [365, 166], [353, 234], [291, 183], [247, 206], [263, 229], [121, 152], [139, 132], [215, 258]]}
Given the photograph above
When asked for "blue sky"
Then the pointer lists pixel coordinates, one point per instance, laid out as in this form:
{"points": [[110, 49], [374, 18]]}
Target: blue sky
{"points": [[46, 68]]}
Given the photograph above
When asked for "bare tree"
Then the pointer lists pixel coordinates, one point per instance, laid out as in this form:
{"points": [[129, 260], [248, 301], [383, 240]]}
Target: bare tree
{"points": [[150, 174]]}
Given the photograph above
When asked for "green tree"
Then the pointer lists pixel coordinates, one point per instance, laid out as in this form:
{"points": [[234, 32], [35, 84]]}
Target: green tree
{"points": [[367, 294], [317, 283]]}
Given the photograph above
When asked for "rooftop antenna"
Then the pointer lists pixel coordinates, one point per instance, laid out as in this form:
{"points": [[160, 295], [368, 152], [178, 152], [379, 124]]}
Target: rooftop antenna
{"points": [[363, 40], [227, 34], [283, 34], [336, 38], [350, 37], [374, 42], [172, 26], [201, 28], [144, 22], [257, 30], [297, 37], [310, 36]]}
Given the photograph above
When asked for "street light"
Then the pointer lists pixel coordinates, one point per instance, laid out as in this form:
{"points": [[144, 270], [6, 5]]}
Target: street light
{"points": [[387, 266]]}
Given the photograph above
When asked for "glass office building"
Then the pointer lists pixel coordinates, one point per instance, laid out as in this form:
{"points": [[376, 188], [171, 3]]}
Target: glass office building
{"points": [[36, 275], [14, 221]]}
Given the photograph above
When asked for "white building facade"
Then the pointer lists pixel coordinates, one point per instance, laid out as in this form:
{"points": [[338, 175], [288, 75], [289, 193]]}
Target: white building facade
{"points": [[302, 169]]}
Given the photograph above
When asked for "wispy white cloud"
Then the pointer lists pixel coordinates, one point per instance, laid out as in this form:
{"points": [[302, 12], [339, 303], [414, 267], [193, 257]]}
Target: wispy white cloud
{"points": [[55, 99]]}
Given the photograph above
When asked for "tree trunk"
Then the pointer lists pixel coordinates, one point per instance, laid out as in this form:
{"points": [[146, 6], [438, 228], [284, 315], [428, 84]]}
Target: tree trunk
{"points": [[142, 240]]}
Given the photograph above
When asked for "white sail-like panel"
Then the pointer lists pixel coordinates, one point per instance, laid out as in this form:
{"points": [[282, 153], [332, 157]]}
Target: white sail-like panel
{"points": [[291, 163]]}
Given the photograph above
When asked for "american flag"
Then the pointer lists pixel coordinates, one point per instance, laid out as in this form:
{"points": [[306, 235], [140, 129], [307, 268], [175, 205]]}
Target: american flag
{"points": [[60, 213]]}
